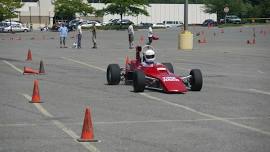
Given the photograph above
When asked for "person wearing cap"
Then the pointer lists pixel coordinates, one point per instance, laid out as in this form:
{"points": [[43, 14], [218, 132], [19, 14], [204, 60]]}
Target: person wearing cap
{"points": [[79, 35]]}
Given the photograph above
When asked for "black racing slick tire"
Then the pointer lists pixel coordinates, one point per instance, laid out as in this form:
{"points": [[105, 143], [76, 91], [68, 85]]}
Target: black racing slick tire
{"points": [[113, 74], [169, 66], [138, 81], [196, 80]]}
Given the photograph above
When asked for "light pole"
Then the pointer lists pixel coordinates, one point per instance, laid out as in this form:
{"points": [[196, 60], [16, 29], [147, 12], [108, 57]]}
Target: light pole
{"points": [[39, 17], [30, 18], [185, 38], [186, 16], [11, 11]]}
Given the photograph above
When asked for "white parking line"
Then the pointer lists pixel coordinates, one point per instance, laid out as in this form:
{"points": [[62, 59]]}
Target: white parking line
{"points": [[206, 115], [185, 107], [14, 67], [260, 91], [132, 122], [61, 126], [83, 63]]}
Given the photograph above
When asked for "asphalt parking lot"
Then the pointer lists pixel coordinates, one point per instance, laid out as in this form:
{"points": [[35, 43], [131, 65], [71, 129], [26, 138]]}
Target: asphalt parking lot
{"points": [[230, 114]]}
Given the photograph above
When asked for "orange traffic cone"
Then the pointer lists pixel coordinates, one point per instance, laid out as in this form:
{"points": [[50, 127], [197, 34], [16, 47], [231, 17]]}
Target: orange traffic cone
{"points": [[29, 55], [41, 68], [127, 60], [35, 96], [28, 70], [141, 39], [222, 31], [87, 130]]}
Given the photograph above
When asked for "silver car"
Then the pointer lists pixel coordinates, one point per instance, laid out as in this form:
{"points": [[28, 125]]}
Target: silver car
{"points": [[16, 28]]}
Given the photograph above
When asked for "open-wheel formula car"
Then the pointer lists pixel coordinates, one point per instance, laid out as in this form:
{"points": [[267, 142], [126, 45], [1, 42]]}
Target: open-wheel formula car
{"points": [[155, 76]]}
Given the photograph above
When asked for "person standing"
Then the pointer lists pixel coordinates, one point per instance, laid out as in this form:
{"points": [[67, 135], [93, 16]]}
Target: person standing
{"points": [[63, 31], [130, 36], [79, 35], [150, 35], [94, 36]]}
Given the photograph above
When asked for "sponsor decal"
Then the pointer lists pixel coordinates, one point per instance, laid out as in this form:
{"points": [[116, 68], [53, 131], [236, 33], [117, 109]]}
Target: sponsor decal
{"points": [[161, 69], [170, 79]]}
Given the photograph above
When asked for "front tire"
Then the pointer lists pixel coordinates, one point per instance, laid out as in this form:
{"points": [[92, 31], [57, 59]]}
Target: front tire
{"points": [[196, 80], [138, 81], [113, 74]]}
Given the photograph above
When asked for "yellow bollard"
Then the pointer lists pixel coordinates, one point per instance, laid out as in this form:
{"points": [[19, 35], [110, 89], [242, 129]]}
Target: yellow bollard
{"points": [[185, 40]]}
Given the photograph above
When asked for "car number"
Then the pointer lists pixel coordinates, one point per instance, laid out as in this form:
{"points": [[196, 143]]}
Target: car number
{"points": [[170, 79]]}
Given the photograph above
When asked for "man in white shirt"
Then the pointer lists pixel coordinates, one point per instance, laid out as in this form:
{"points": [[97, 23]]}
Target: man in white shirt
{"points": [[79, 35], [150, 35], [130, 36]]}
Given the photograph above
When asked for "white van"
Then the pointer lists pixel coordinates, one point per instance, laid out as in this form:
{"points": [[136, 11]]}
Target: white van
{"points": [[170, 24]]}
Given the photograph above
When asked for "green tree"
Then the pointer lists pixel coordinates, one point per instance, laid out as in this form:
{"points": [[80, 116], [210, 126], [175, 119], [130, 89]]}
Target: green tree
{"points": [[125, 7], [237, 7], [66, 9], [7, 8]]}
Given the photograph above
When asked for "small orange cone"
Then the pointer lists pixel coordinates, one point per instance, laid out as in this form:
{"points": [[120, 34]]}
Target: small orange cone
{"points": [[35, 96], [87, 130], [127, 60], [222, 31], [29, 55], [28, 70], [41, 68], [141, 39]]}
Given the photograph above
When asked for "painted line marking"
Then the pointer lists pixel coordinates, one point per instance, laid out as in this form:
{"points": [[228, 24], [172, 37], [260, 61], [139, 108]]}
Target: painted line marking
{"points": [[207, 115], [241, 90], [13, 66], [260, 72], [187, 108], [259, 91], [61, 126], [85, 64], [132, 122]]}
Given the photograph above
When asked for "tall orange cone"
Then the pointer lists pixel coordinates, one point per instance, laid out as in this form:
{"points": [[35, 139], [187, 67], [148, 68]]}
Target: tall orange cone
{"points": [[41, 68], [29, 55], [127, 60], [87, 130], [35, 96], [28, 70], [141, 39]]}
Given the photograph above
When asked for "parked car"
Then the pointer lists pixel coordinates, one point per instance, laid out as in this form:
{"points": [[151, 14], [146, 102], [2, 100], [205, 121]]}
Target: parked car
{"points": [[209, 22], [233, 19], [144, 25], [16, 28], [2, 26], [90, 23], [159, 25], [170, 24], [72, 25], [118, 22]]}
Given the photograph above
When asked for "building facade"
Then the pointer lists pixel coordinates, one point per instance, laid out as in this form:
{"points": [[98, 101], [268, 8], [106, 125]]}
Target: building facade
{"points": [[41, 13]]}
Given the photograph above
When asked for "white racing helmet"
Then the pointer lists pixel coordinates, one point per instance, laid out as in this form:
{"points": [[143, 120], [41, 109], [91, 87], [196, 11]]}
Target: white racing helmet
{"points": [[149, 56]]}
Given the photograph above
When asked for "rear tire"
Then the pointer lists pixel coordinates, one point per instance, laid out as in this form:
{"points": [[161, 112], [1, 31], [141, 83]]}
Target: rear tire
{"points": [[169, 66], [138, 81], [113, 74], [196, 80]]}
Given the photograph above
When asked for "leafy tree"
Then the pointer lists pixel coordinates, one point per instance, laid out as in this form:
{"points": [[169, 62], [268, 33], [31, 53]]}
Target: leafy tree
{"points": [[237, 7], [7, 8], [125, 7], [66, 9]]}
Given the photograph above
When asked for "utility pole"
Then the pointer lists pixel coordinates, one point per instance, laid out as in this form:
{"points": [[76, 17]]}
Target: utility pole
{"points": [[185, 38]]}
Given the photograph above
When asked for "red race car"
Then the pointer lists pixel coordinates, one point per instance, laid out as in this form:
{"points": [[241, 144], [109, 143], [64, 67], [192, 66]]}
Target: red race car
{"points": [[143, 72]]}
